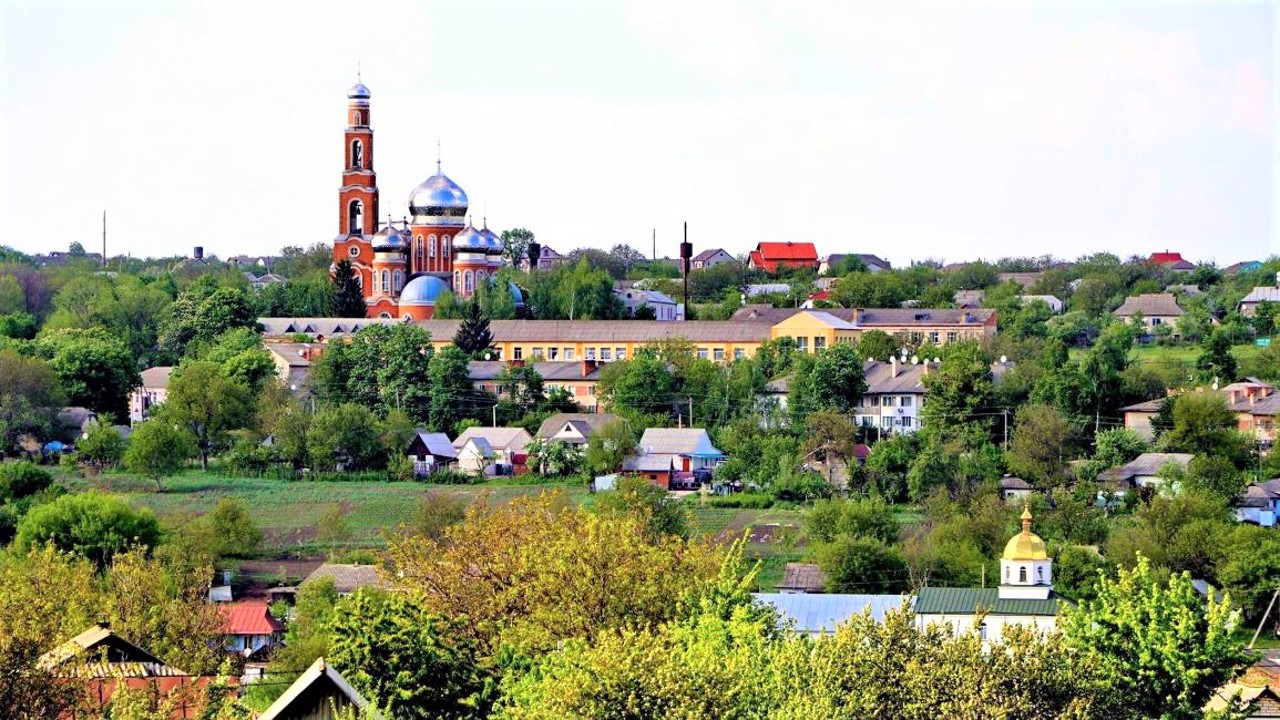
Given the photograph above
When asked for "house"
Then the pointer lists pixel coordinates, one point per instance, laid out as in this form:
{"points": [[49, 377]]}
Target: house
{"points": [[431, 452], [153, 391], [76, 422], [1248, 305], [814, 330], [547, 259], [691, 448], [475, 456], [577, 377], [1025, 595], [100, 661], [1244, 266], [248, 627], [1171, 261], [1015, 489], [664, 308], [658, 469], [574, 428], [1260, 503], [1154, 308], [1055, 305], [1025, 279], [1144, 470], [710, 258], [801, 577], [318, 694], [755, 289], [244, 261], [258, 282], [348, 578], [293, 364], [1184, 289], [908, 325], [1263, 697], [874, 263], [769, 256], [895, 392], [507, 445], [1254, 402], [821, 614]]}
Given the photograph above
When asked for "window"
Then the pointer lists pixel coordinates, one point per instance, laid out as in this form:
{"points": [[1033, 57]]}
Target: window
{"points": [[702, 353], [1022, 574], [553, 353], [384, 315], [420, 249], [517, 353], [886, 422], [468, 282], [591, 390], [889, 401], [591, 353], [457, 281], [359, 118], [916, 338], [951, 336], [906, 421], [1040, 574], [355, 217], [386, 281], [718, 354], [802, 344], [606, 354], [357, 152], [354, 251], [1006, 574], [620, 353], [480, 275], [906, 400], [819, 342], [739, 353], [568, 353], [431, 246], [933, 336], [444, 246], [399, 280], [537, 353]]}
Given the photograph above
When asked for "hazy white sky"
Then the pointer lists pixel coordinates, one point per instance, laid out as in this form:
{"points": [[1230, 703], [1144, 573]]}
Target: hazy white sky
{"points": [[948, 130]]}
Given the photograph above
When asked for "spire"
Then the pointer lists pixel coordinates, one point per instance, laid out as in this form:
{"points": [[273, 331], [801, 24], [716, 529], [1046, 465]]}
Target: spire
{"points": [[1026, 518], [359, 78], [485, 217], [438, 171]]}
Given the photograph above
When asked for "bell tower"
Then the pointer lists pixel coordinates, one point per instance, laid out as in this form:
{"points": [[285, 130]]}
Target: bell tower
{"points": [[358, 196]]}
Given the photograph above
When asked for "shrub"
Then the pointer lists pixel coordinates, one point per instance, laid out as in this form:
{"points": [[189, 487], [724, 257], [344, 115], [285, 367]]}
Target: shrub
{"points": [[22, 479], [91, 524], [750, 501], [449, 477]]}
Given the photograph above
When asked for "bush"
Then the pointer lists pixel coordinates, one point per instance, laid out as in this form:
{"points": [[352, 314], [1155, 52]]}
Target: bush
{"points": [[233, 530], [751, 501], [449, 477], [91, 524], [22, 479]]}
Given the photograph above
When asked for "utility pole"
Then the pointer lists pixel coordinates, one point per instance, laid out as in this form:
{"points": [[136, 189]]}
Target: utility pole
{"points": [[1006, 429], [690, 411], [1265, 615], [104, 238], [495, 416], [686, 252]]}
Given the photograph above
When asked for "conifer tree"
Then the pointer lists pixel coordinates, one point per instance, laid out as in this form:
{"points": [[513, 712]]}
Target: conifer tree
{"points": [[348, 298], [473, 336]]}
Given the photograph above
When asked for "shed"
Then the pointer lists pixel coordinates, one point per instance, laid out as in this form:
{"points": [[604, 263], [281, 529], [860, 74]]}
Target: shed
{"points": [[316, 695]]}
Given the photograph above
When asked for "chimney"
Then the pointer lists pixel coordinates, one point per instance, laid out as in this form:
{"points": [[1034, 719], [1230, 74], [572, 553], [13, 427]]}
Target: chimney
{"points": [[588, 367], [516, 363], [926, 366], [893, 366], [198, 253]]}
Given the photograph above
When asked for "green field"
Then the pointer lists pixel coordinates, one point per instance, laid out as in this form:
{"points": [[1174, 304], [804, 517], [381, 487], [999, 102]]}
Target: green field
{"points": [[1177, 354]]}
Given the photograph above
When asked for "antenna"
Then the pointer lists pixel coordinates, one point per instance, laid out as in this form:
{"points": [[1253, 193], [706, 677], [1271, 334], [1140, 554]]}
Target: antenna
{"points": [[358, 77], [104, 238], [437, 156]]}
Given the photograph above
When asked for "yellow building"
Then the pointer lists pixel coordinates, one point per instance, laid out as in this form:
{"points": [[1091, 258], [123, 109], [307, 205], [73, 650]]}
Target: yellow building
{"points": [[814, 330]]}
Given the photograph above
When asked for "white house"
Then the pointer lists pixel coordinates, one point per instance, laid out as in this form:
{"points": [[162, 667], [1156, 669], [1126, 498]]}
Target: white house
{"points": [[506, 446], [663, 306], [710, 258], [1015, 489], [1024, 597], [690, 447], [1144, 470], [895, 392], [153, 391], [574, 428], [1260, 503], [1249, 304]]}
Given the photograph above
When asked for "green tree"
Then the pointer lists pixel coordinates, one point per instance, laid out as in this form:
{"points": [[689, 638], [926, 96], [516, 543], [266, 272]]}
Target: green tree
{"points": [[406, 660], [452, 396], [93, 525], [29, 398], [877, 344], [157, 450], [608, 446], [958, 391], [836, 379], [473, 337], [515, 245], [867, 517], [101, 448], [1040, 445], [234, 531], [1216, 362], [436, 512], [862, 564], [96, 370], [641, 498], [348, 296], [332, 527], [1162, 648], [347, 436], [208, 404], [1184, 532], [642, 384], [1202, 423]]}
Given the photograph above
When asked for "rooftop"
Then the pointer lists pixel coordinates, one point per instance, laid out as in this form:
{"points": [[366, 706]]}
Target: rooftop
{"points": [[693, 442], [248, 617], [1150, 305], [813, 613], [967, 601], [803, 577], [348, 578]]}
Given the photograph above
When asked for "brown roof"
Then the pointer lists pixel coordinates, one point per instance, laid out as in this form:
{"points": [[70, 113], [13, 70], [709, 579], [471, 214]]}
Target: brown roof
{"points": [[803, 577], [98, 652], [156, 377], [1150, 305], [872, 317], [348, 578], [586, 423]]}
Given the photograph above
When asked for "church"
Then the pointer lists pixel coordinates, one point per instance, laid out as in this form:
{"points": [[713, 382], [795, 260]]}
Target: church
{"points": [[1025, 595], [404, 267]]}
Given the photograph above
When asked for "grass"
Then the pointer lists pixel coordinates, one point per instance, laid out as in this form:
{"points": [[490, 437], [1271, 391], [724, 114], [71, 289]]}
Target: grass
{"points": [[1177, 354], [287, 512], [1267, 640]]}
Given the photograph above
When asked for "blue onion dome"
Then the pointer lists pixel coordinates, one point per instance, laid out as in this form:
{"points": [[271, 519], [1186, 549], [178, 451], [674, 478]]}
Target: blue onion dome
{"points": [[516, 294], [388, 239], [492, 241], [470, 240], [358, 92], [423, 290], [437, 196]]}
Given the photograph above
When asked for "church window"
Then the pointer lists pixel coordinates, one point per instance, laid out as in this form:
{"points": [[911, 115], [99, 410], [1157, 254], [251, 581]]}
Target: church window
{"points": [[355, 217], [479, 277], [384, 315], [357, 154], [1022, 574], [444, 246], [399, 279], [386, 281], [431, 246], [1006, 574], [457, 281], [420, 248], [359, 117], [1040, 574], [467, 283], [354, 251]]}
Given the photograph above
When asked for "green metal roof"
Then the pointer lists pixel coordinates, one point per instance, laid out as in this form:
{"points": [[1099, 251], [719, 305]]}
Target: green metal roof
{"points": [[966, 601]]}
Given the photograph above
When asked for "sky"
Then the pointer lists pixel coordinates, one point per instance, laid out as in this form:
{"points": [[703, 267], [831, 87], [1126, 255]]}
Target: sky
{"points": [[911, 130]]}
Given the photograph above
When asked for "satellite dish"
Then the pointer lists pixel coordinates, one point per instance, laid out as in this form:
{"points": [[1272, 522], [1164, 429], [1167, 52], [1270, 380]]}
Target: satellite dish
{"points": [[1004, 359], [914, 359], [937, 359], [870, 359]]}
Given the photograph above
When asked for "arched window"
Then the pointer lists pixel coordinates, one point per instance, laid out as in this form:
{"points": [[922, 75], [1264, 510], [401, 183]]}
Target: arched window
{"points": [[386, 281], [431, 247], [355, 217], [479, 277], [359, 118], [1040, 574], [357, 154], [1006, 574], [1022, 574], [419, 244], [457, 281], [384, 315], [467, 283], [444, 246], [399, 280]]}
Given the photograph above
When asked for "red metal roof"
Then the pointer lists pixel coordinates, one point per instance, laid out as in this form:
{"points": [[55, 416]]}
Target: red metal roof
{"points": [[1166, 258], [248, 617], [787, 251]]}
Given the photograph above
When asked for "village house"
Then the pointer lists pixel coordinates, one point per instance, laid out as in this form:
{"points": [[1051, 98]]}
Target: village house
{"points": [[293, 363], [1025, 279], [710, 258], [574, 428], [657, 469], [1260, 503], [76, 422], [1056, 306], [576, 377], [320, 693], [506, 447], [247, 627], [799, 577], [347, 578], [1143, 471], [1248, 305], [1171, 261], [1155, 309], [690, 448], [153, 391], [769, 256], [1015, 489], [816, 615], [1254, 402], [665, 308], [431, 452], [874, 263], [1024, 596], [100, 661]]}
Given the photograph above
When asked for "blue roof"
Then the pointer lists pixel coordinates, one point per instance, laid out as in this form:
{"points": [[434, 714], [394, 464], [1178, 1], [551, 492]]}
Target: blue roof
{"points": [[423, 290], [823, 613]]}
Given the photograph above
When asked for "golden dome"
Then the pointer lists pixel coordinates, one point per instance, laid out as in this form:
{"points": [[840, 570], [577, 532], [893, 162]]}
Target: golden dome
{"points": [[1026, 545]]}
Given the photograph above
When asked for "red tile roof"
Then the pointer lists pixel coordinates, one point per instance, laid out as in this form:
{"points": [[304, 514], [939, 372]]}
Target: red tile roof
{"points": [[787, 251], [1166, 258], [248, 617]]}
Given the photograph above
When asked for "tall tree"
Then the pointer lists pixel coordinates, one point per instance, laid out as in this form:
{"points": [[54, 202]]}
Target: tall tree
{"points": [[208, 404], [452, 395], [157, 450], [1216, 362], [92, 525], [29, 398], [348, 297], [515, 245], [473, 336], [96, 369], [1040, 445]]}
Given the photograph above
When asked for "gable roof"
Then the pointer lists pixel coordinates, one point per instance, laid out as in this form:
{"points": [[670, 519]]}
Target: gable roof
{"points": [[437, 444], [512, 439], [348, 578], [1262, 294], [1146, 464], [315, 686], [1014, 483], [823, 613], [1150, 304], [1261, 494], [98, 652], [787, 251], [966, 601], [805, 577], [156, 378], [586, 423], [708, 254], [693, 442], [248, 617], [482, 446], [649, 463]]}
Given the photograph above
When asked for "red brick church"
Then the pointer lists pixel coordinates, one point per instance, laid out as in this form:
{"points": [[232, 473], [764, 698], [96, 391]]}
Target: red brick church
{"points": [[404, 267]]}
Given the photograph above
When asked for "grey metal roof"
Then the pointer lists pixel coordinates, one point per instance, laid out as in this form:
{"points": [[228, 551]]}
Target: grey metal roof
{"points": [[814, 613], [511, 439], [966, 601], [547, 370], [347, 578], [649, 463], [1014, 483], [1262, 294], [593, 421], [692, 442], [881, 378], [437, 444]]}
